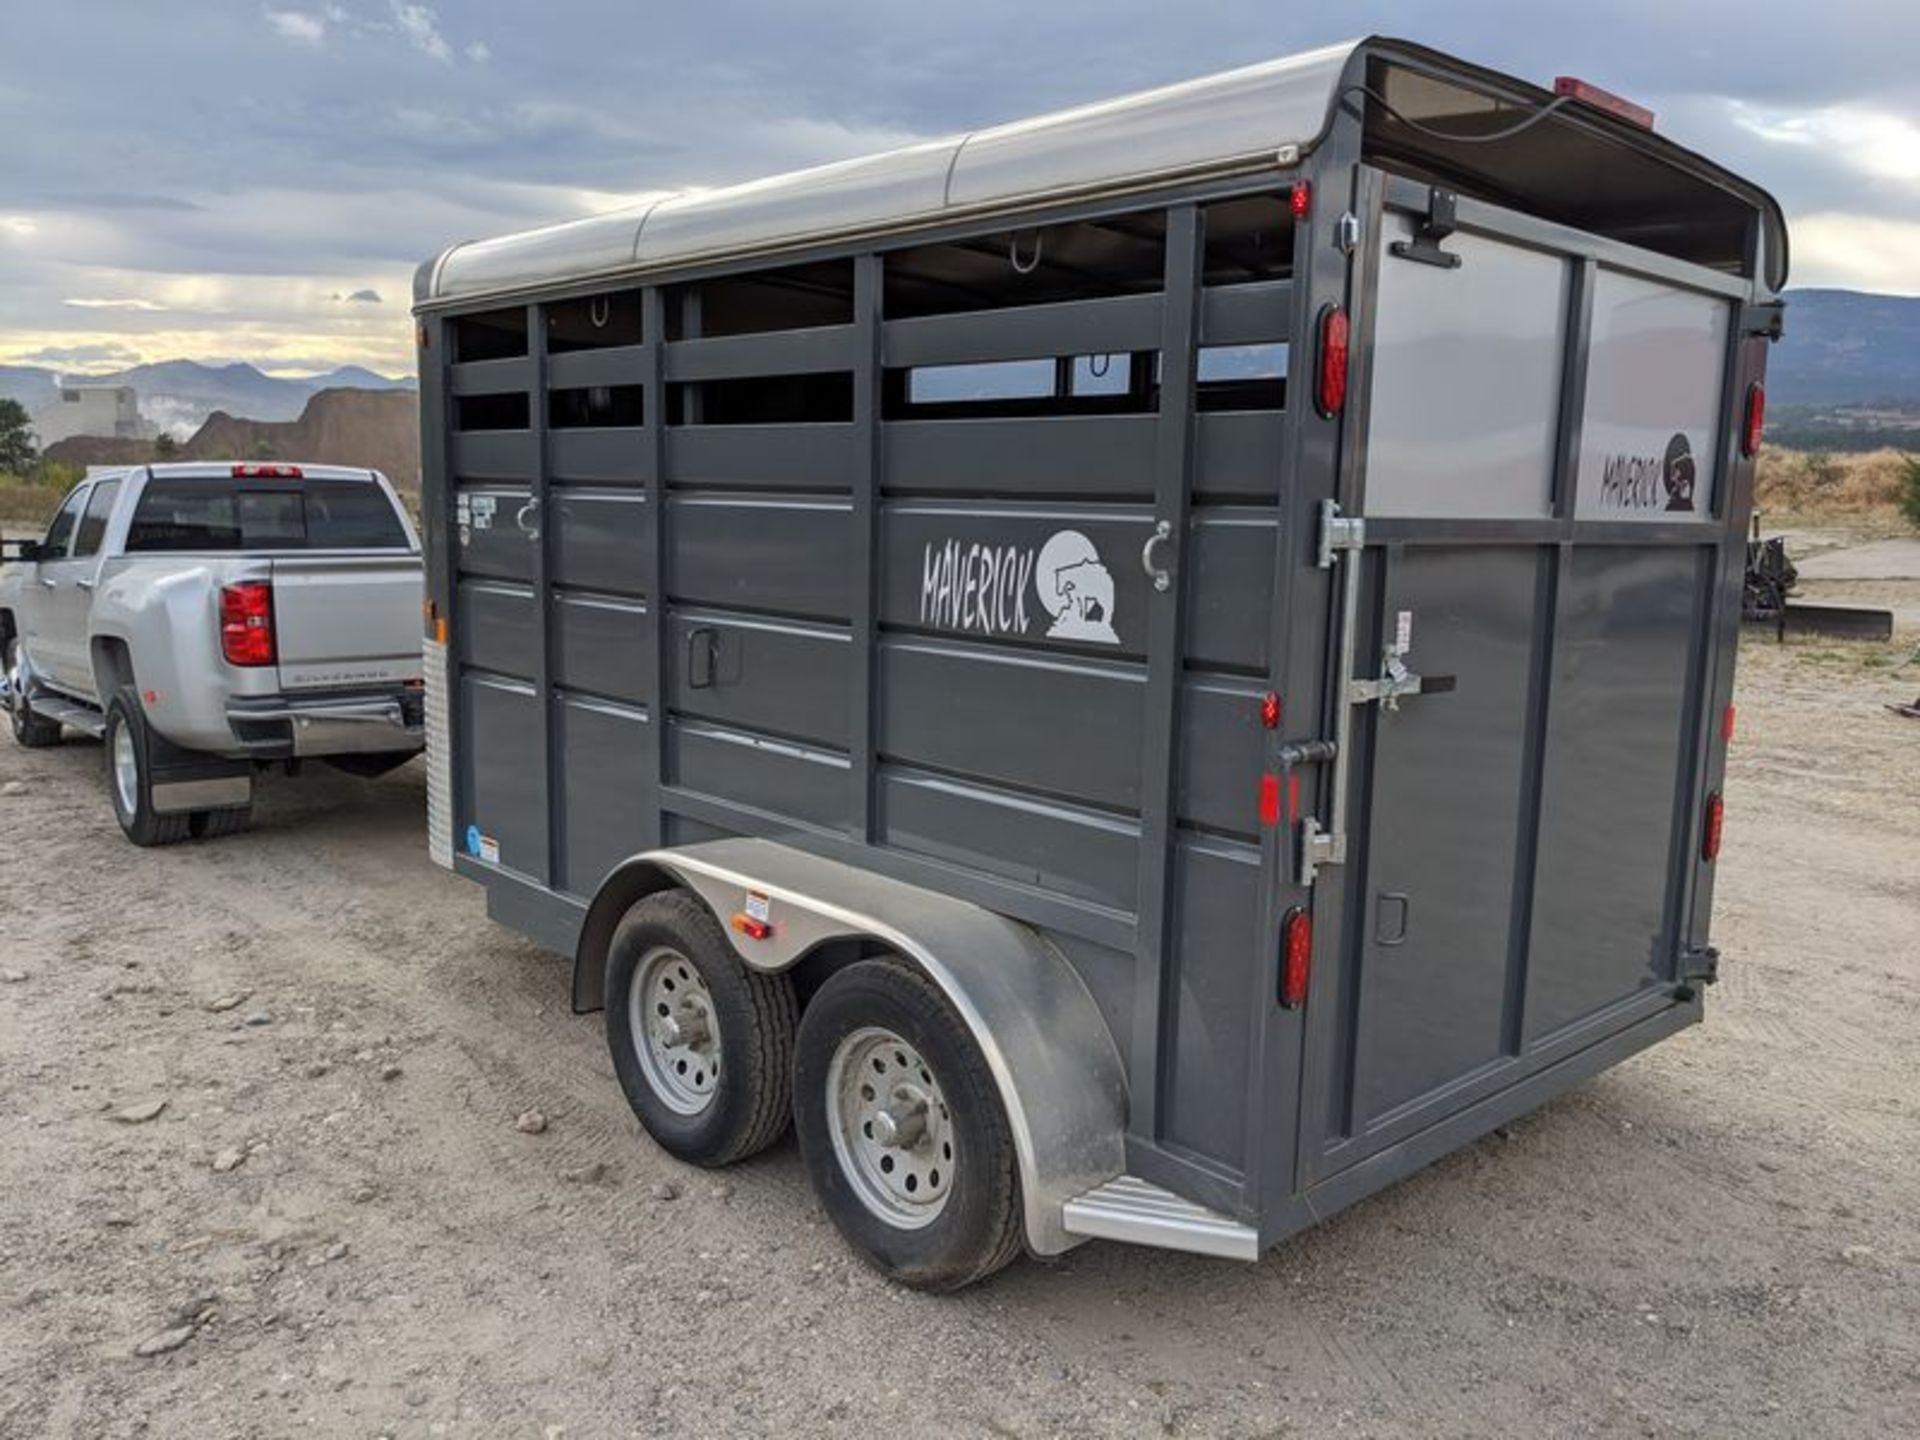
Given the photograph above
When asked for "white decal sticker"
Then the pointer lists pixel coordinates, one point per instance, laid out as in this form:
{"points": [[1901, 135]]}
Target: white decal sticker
{"points": [[759, 906], [1403, 632], [483, 508], [982, 589]]}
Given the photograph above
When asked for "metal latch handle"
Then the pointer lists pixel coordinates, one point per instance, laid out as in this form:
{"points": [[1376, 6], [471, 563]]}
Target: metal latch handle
{"points": [[530, 527]]}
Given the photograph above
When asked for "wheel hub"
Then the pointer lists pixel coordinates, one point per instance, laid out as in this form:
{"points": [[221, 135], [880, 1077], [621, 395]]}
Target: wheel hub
{"points": [[891, 1126], [675, 1031]]}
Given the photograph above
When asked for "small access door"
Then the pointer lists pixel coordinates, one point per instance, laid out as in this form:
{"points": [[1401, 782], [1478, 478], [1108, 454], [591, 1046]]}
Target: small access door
{"points": [[1523, 693]]}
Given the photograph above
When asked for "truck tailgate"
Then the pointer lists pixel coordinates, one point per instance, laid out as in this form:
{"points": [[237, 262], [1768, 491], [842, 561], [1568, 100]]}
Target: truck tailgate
{"points": [[347, 619]]}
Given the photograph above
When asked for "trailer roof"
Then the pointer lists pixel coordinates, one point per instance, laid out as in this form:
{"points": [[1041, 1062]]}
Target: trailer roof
{"points": [[1263, 116]]}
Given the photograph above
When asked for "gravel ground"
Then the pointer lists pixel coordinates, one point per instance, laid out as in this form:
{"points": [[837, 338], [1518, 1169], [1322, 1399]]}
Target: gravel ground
{"points": [[335, 1225]]}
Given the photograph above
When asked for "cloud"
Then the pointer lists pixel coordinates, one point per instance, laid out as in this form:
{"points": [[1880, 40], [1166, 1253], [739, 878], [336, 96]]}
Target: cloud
{"points": [[360, 297], [421, 27], [300, 27], [98, 354], [478, 52], [1855, 252], [117, 302]]}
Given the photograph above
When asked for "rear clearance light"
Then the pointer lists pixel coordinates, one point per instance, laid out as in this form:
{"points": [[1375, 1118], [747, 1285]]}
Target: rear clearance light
{"points": [[1726, 724], [1300, 199], [246, 623], [266, 472], [1330, 393], [1756, 421], [1715, 823], [751, 928], [1296, 957], [1269, 800], [1612, 104]]}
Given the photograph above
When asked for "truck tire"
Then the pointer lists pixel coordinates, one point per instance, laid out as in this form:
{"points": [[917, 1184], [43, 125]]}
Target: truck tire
{"points": [[703, 1045], [905, 1138], [212, 824], [30, 730], [130, 777]]}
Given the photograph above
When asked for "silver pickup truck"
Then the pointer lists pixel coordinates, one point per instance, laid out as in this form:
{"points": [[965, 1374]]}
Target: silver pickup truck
{"points": [[207, 619]]}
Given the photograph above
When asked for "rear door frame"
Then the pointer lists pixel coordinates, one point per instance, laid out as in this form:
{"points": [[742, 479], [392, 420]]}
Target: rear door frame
{"points": [[1320, 1151]]}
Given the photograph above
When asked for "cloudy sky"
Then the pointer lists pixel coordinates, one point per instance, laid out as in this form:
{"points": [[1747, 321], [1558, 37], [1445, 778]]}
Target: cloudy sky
{"points": [[220, 179]]}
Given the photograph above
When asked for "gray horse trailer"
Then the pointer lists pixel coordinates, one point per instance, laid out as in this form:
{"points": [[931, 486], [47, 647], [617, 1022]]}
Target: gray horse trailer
{"points": [[1139, 674]]}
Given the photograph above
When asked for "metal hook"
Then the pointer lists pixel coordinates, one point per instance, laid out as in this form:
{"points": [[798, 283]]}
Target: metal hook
{"points": [[600, 310], [1162, 534], [1099, 365], [1013, 254]]}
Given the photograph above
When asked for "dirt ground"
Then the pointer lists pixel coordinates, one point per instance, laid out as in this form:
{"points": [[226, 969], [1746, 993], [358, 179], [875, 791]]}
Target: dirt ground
{"points": [[337, 1226]]}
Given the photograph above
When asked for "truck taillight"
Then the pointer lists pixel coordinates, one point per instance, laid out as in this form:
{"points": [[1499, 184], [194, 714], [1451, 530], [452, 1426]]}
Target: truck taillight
{"points": [[1330, 392], [1712, 826], [1756, 421], [246, 623], [1296, 957]]}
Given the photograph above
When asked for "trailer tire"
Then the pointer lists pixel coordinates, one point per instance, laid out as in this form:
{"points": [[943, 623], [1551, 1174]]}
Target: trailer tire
{"points": [[129, 770], [932, 1199], [722, 1094]]}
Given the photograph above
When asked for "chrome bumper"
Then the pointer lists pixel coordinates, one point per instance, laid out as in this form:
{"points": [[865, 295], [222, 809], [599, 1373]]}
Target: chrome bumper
{"points": [[330, 726]]}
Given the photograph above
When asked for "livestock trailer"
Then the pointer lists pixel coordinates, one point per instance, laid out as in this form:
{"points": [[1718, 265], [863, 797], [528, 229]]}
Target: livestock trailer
{"points": [[1142, 673]]}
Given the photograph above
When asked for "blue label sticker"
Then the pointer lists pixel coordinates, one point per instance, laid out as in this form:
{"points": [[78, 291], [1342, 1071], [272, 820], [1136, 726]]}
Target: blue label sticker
{"points": [[473, 839]]}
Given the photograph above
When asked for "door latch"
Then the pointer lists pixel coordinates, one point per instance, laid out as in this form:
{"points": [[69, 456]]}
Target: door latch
{"points": [[1395, 678]]}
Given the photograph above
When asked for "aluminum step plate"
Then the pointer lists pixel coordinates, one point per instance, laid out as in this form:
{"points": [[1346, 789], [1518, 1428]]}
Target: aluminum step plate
{"points": [[1142, 1213], [81, 717]]}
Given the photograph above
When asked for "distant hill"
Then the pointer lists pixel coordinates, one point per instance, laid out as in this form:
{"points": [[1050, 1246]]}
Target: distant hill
{"points": [[1843, 347], [179, 395], [379, 429]]}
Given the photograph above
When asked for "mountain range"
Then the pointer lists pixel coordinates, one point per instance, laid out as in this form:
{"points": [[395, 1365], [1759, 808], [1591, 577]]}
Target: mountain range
{"points": [[179, 395]]}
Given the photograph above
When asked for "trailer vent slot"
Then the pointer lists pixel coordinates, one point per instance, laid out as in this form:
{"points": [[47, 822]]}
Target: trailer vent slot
{"points": [[492, 335], [594, 322], [492, 412], [596, 405], [763, 400], [1009, 389]]}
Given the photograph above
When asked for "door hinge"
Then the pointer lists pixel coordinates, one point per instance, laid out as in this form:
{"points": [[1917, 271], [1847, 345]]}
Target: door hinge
{"points": [[1766, 319], [1441, 220], [1338, 532], [1699, 965]]}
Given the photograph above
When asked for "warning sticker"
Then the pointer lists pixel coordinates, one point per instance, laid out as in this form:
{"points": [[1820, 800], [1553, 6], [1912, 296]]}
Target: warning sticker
{"points": [[481, 846], [759, 906]]}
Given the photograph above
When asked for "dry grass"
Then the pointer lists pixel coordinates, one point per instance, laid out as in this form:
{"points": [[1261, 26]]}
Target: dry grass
{"points": [[1812, 485], [26, 506]]}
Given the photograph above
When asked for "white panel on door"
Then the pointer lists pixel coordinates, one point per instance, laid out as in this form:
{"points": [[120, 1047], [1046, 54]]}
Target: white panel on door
{"points": [[1464, 414], [1650, 435]]}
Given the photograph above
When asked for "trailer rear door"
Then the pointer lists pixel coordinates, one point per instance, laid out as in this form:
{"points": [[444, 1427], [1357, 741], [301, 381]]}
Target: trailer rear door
{"points": [[1534, 449]]}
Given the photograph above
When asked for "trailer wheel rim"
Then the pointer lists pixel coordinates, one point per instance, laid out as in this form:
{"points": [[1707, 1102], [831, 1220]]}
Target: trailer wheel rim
{"points": [[892, 1130], [126, 770], [675, 1030]]}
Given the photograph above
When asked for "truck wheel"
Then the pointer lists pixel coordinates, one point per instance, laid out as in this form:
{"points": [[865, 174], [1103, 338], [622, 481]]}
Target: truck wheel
{"points": [[903, 1131], [130, 777], [703, 1045], [31, 730]]}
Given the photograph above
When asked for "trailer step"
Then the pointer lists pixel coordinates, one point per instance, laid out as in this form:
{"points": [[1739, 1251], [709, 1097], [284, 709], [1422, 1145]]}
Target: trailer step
{"points": [[70, 712], [1142, 1213]]}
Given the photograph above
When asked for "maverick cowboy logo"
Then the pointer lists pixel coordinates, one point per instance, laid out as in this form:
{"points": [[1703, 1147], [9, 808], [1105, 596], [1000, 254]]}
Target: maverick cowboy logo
{"points": [[984, 589], [1650, 482], [1677, 474]]}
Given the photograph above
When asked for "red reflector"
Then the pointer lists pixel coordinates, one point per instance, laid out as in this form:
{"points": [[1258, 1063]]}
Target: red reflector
{"points": [[1615, 105], [266, 472], [1756, 425], [1270, 711], [1710, 831], [1726, 723], [1296, 957], [1331, 394], [751, 928], [246, 623], [1300, 199], [1269, 800]]}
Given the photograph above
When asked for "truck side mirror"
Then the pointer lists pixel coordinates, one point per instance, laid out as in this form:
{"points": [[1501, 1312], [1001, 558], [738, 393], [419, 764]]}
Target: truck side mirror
{"points": [[25, 551]]}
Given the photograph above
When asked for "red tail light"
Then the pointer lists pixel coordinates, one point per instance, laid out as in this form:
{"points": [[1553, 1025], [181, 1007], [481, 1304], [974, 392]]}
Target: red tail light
{"points": [[1614, 105], [1300, 199], [1331, 393], [266, 472], [246, 623], [1756, 424], [1296, 957], [1715, 822]]}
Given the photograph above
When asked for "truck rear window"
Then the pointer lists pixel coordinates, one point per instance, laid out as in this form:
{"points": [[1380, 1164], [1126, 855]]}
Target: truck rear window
{"points": [[223, 514]]}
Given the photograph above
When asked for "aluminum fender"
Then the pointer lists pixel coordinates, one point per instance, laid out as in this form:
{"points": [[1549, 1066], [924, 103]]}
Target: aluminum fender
{"points": [[1041, 1033]]}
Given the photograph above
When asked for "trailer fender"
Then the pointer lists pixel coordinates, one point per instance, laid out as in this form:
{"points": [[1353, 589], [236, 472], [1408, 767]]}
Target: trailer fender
{"points": [[1042, 1035]]}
